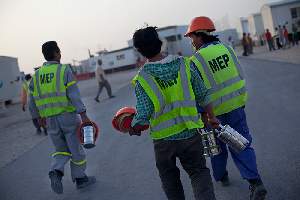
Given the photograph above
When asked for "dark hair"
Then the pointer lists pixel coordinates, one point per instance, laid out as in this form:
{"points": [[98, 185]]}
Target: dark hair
{"points": [[48, 49], [207, 38], [147, 42], [27, 77]]}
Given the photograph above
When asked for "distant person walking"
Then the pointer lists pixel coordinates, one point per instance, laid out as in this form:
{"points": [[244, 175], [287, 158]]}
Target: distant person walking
{"points": [[277, 39], [250, 44], [102, 81], [286, 37], [269, 39], [281, 36], [245, 44], [295, 35], [24, 100]]}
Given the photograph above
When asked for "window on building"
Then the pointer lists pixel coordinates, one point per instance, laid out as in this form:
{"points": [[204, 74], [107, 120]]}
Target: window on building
{"points": [[171, 38], [294, 13], [179, 37], [121, 57], [111, 63]]}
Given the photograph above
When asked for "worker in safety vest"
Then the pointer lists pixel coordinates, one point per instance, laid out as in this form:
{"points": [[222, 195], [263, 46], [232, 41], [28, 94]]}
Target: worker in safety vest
{"points": [[24, 97], [167, 89], [223, 75], [55, 99]]}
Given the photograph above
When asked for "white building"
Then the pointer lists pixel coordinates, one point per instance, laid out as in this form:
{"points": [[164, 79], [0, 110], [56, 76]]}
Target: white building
{"points": [[225, 34], [173, 40], [115, 60], [281, 13], [10, 79], [256, 25], [124, 58], [245, 25]]}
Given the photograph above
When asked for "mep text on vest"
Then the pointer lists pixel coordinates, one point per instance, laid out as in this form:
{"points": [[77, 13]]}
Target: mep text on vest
{"points": [[219, 63], [165, 84], [46, 78]]}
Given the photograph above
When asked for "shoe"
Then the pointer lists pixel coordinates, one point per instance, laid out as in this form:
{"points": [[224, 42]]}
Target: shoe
{"points": [[257, 191], [112, 96], [38, 131], [45, 132], [56, 184], [96, 99], [84, 182], [225, 180]]}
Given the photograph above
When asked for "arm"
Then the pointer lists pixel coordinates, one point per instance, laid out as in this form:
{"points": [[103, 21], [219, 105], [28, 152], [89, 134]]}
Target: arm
{"points": [[23, 98], [32, 106], [144, 108], [73, 94]]}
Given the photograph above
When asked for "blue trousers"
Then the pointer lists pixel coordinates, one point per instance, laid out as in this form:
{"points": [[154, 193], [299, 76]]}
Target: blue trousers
{"points": [[245, 161]]}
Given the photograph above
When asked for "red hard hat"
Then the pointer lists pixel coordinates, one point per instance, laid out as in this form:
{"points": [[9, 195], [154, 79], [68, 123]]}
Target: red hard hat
{"points": [[200, 24], [123, 118], [80, 133]]}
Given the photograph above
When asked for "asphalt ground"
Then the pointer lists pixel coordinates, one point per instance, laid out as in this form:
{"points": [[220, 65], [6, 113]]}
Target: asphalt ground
{"points": [[124, 166]]}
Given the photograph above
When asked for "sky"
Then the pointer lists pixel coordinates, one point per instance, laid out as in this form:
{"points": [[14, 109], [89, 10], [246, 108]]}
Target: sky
{"points": [[79, 25]]}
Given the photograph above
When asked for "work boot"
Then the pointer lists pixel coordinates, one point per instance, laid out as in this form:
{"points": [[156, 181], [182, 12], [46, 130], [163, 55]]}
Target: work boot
{"points": [[85, 181], [56, 184], [257, 191], [112, 96], [96, 99], [45, 132], [225, 180]]}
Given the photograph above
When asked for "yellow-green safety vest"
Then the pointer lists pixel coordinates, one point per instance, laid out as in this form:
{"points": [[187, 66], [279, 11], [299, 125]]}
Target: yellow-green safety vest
{"points": [[223, 74], [50, 91], [174, 102]]}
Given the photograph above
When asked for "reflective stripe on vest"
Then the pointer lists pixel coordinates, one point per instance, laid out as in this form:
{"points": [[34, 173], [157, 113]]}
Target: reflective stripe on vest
{"points": [[171, 117], [222, 91], [52, 99]]}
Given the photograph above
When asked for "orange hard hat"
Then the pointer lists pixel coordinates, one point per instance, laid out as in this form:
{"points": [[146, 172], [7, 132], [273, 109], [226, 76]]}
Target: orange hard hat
{"points": [[123, 118], [200, 24]]}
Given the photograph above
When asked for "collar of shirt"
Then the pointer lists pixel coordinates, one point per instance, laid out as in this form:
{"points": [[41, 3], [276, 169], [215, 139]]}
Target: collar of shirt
{"points": [[207, 44], [50, 63]]}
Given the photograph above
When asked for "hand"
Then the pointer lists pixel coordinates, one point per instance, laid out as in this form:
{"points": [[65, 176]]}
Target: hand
{"points": [[214, 122], [204, 118], [84, 117], [133, 131], [23, 108]]}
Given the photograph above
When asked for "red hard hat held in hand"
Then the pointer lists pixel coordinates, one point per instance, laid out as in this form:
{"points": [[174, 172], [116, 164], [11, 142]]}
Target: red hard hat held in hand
{"points": [[88, 133], [123, 118]]}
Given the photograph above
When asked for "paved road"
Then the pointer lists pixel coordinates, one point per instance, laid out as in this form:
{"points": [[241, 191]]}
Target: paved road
{"points": [[125, 168]]}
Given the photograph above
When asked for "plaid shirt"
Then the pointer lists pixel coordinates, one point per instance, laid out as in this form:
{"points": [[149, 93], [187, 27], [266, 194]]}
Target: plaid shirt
{"points": [[145, 107]]}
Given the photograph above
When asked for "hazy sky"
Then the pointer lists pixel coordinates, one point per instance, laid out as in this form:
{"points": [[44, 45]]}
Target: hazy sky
{"points": [[96, 24]]}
